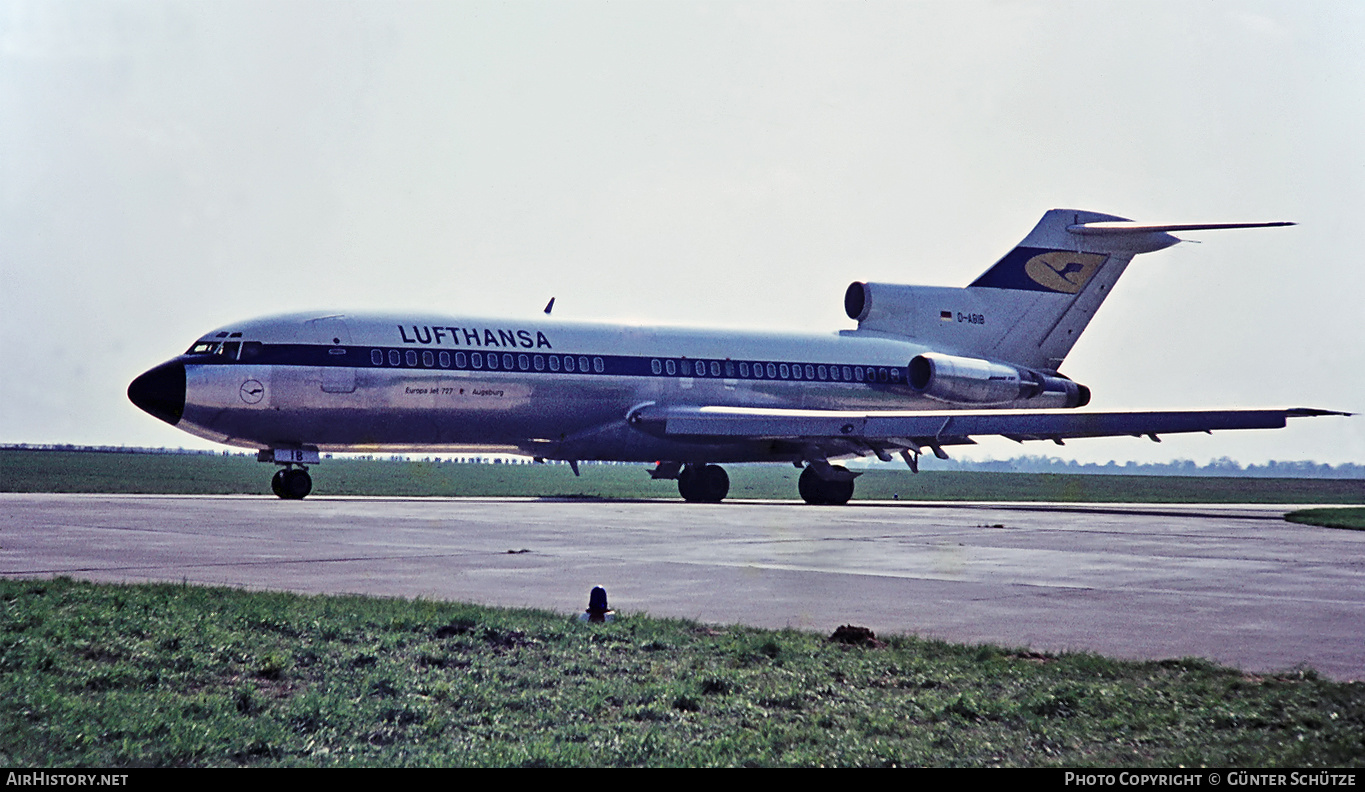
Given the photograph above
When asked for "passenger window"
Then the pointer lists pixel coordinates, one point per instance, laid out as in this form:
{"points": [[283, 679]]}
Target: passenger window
{"points": [[460, 360], [744, 369], [772, 371], [524, 362], [583, 364], [507, 360], [477, 359], [656, 367], [395, 357], [492, 360], [445, 360], [568, 363], [540, 362], [598, 365], [715, 369], [411, 357], [686, 367], [671, 366], [554, 362], [376, 357], [428, 359]]}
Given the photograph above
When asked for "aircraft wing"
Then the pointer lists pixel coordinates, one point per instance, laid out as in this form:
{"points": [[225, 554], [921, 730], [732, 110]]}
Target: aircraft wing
{"points": [[841, 433]]}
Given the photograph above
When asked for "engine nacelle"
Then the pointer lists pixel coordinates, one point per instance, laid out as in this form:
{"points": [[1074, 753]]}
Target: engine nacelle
{"points": [[963, 380], [880, 306]]}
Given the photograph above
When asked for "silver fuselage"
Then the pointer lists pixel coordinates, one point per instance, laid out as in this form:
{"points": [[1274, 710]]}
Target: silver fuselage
{"points": [[538, 387]]}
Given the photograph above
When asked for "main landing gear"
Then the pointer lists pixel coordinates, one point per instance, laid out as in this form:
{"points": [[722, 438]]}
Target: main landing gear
{"points": [[821, 484], [703, 483], [818, 491], [291, 483]]}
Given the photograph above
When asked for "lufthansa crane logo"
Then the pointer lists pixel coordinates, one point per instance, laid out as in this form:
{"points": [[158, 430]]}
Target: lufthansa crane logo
{"points": [[252, 391], [1063, 271]]}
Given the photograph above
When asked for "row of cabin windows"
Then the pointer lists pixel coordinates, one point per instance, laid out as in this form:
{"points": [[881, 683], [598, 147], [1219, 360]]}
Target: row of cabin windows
{"points": [[491, 361], [236, 350], [795, 371], [684, 367]]}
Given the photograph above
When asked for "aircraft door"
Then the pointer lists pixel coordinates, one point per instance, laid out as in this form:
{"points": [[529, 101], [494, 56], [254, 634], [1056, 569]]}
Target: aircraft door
{"points": [[338, 376]]}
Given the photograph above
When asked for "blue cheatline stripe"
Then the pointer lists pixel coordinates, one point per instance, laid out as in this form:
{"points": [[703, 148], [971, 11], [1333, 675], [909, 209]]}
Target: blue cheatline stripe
{"points": [[494, 361]]}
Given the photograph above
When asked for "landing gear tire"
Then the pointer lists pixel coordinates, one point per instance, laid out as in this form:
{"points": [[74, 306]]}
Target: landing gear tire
{"points": [[818, 492], [291, 484], [703, 483]]}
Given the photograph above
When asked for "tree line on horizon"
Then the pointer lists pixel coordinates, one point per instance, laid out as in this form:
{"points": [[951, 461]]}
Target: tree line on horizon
{"points": [[1222, 467]]}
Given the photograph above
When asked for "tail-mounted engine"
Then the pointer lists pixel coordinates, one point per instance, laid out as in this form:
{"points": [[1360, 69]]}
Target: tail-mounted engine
{"points": [[964, 380]]}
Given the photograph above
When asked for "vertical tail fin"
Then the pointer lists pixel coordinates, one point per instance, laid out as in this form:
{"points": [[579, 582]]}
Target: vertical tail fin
{"points": [[1070, 261], [1031, 306], [1050, 286]]}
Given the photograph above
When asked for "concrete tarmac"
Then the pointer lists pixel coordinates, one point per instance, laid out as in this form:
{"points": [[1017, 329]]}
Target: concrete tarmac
{"points": [[1235, 584]]}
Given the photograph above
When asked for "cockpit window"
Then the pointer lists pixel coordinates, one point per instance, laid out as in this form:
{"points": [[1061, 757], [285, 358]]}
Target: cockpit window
{"points": [[232, 350]]}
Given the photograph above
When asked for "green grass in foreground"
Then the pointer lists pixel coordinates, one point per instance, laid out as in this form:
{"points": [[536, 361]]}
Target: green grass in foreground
{"points": [[1330, 518], [72, 471], [104, 675]]}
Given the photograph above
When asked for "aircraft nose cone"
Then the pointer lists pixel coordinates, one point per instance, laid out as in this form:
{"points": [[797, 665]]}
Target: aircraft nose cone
{"points": [[161, 392]]}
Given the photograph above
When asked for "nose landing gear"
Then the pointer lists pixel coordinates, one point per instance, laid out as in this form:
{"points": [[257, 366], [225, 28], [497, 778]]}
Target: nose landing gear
{"points": [[291, 483]]}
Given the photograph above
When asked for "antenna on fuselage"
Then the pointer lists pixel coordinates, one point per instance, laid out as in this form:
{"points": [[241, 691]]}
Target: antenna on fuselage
{"points": [[549, 306]]}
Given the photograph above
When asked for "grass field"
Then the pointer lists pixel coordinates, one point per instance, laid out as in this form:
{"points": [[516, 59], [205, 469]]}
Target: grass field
{"points": [[169, 675], [1330, 518], [66, 471]]}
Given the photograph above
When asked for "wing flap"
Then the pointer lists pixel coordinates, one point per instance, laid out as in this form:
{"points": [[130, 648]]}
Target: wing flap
{"points": [[910, 429]]}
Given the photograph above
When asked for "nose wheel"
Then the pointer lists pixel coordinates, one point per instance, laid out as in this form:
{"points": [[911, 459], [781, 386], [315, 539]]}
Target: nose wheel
{"points": [[291, 483]]}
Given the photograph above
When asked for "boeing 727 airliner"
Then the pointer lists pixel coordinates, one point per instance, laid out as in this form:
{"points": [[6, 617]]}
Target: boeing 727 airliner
{"points": [[926, 368]]}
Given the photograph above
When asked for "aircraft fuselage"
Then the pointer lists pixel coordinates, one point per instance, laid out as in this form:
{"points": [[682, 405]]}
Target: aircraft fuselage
{"points": [[545, 388]]}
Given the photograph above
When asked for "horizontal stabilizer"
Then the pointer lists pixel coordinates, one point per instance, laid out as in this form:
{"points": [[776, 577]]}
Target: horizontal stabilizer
{"points": [[1109, 228]]}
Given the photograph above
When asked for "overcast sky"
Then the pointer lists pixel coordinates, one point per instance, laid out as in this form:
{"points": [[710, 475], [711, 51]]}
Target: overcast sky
{"points": [[168, 167]]}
